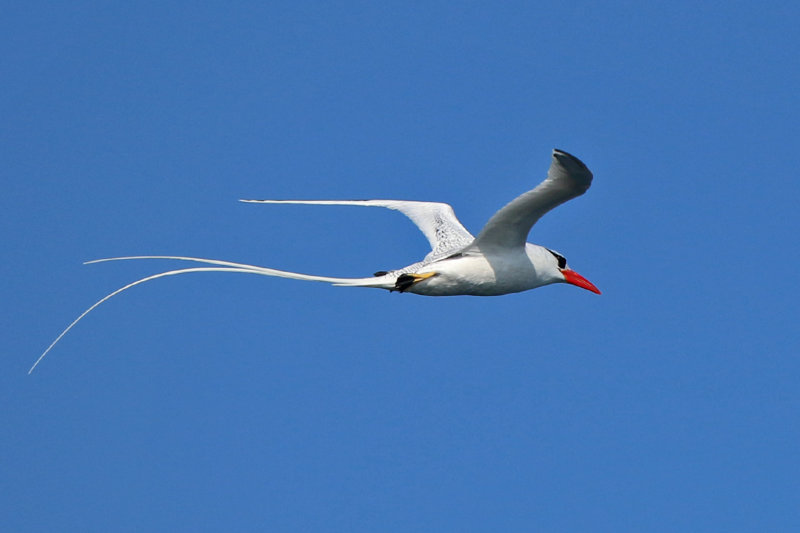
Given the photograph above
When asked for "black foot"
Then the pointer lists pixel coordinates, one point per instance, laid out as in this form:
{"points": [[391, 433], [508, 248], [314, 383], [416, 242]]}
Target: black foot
{"points": [[404, 282]]}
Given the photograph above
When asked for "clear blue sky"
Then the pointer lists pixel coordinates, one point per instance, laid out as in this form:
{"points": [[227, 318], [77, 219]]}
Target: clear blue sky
{"points": [[221, 402]]}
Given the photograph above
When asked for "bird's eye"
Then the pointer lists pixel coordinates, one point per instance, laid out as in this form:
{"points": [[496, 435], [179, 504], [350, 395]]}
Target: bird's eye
{"points": [[562, 261]]}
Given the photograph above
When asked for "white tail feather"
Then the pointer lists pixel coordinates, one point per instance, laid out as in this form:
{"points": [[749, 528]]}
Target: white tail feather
{"points": [[224, 266], [259, 269]]}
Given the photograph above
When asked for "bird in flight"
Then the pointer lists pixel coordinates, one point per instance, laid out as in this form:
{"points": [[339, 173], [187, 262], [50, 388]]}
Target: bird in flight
{"points": [[497, 261]]}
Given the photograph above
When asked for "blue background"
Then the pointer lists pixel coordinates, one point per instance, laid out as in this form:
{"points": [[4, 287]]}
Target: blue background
{"points": [[219, 402]]}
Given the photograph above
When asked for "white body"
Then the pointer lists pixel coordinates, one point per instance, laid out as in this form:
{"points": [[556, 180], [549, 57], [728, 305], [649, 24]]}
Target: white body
{"points": [[478, 274]]}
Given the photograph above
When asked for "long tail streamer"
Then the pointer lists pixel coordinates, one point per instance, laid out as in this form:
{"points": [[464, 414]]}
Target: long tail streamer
{"points": [[222, 266]]}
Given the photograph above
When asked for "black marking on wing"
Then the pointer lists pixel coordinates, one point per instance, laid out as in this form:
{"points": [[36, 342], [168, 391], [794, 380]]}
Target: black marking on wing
{"points": [[562, 152]]}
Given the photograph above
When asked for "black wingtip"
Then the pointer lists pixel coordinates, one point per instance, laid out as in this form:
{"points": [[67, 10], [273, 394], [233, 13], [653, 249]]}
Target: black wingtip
{"points": [[562, 153]]}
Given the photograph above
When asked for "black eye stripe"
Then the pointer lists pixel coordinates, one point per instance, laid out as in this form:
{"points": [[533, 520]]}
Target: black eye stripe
{"points": [[562, 261]]}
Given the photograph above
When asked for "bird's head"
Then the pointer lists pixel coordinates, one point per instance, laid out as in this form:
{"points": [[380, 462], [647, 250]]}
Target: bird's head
{"points": [[559, 262]]}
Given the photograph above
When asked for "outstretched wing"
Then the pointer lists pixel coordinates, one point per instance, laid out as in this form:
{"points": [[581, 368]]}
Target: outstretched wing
{"points": [[436, 220], [567, 178]]}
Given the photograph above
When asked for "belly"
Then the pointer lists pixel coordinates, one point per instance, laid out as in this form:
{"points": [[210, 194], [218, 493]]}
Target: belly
{"points": [[476, 276]]}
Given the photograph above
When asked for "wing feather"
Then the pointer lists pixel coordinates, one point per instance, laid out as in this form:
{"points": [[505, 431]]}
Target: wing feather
{"points": [[436, 220], [567, 178]]}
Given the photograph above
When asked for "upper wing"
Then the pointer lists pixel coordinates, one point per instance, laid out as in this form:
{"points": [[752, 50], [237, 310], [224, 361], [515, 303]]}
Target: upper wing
{"points": [[436, 220], [567, 178]]}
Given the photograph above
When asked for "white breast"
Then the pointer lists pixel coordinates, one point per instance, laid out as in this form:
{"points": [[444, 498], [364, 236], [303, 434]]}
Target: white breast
{"points": [[479, 275]]}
